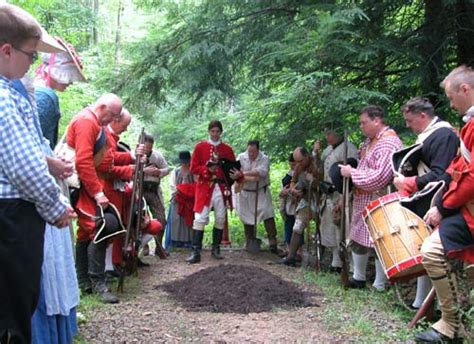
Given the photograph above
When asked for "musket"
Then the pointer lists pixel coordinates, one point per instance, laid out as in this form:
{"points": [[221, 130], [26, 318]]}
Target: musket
{"points": [[424, 309], [317, 233], [132, 237], [344, 218]]}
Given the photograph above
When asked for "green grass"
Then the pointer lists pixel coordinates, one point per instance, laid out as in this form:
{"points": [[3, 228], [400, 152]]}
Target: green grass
{"points": [[357, 313]]}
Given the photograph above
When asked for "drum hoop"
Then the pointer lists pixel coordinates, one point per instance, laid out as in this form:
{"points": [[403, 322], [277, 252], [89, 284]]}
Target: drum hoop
{"points": [[381, 201], [403, 265]]}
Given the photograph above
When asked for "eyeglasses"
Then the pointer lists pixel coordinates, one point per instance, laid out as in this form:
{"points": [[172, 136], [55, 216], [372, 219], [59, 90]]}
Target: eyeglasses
{"points": [[33, 55]]}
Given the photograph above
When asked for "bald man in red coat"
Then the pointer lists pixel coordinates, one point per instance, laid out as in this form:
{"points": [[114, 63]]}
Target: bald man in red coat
{"points": [[86, 135], [212, 189]]}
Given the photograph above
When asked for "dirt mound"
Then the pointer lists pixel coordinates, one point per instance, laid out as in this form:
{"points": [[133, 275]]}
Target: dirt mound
{"points": [[236, 289]]}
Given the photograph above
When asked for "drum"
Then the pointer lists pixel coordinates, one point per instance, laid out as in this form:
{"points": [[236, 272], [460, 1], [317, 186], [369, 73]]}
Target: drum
{"points": [[398, 234]]}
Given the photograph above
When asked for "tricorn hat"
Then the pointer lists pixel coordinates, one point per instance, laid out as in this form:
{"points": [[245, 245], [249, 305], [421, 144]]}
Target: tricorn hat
{"points": [[421, 201], [406, 160], [335, 174], [108, 223]]}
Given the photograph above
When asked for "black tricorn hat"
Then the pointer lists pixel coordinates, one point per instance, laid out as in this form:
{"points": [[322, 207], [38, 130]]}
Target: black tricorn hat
{"points": [[406, 160], [421, 201], [335, 174], [184, 157], [108, 223]]}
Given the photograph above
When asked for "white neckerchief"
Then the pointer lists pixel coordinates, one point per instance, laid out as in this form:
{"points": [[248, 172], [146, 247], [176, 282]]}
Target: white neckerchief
{"points": [[214, 143], [431, 128], [469, 114], [466, 154]]}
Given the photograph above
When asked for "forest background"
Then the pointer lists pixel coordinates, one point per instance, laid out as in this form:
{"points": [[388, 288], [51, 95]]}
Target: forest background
{"points": [[279, 71]]}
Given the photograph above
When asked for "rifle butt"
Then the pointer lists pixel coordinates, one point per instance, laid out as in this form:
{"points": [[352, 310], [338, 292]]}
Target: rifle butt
{"points": [[424, 309], [344, 268]]}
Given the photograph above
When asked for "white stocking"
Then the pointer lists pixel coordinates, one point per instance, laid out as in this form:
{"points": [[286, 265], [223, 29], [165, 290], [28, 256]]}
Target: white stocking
{"points": [[336, 259], [423, 287], [360, 266], [146, 238], [380, 277]]}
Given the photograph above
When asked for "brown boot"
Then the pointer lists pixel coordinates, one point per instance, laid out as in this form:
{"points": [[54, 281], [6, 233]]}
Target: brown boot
{"points": [[270, 227]]}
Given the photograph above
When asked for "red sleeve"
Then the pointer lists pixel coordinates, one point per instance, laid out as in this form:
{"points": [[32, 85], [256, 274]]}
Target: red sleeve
{"points": [[229, 152], [83, 136], [123, 158], [462, 173], [199, 160], [122, 172], [460, 188]]}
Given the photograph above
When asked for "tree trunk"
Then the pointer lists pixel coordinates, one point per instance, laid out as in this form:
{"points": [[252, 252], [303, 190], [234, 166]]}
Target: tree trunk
{"points": [[119, 28], [432, 49], [95, 38], [465, 25]]}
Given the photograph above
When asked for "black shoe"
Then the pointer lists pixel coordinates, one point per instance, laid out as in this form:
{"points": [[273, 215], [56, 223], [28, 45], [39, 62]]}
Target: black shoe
{"points": [[356, 284], [287, 261], [107, 297], [216, 253], [335, 269], [275, 250], [142, 264], [433, 336], [194, 258]]}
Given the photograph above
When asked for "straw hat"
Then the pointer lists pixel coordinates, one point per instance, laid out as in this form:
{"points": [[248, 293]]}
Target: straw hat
{"points": [[74, 56], [64, 66], [48, 44]]}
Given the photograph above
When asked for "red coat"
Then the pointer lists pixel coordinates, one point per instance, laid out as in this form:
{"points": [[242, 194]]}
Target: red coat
{"points": [[460, 192], [82, 135], [121, 170], [202, 153]]}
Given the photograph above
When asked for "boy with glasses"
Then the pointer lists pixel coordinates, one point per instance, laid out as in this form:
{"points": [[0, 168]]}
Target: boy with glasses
{"points": [[28, 194]]}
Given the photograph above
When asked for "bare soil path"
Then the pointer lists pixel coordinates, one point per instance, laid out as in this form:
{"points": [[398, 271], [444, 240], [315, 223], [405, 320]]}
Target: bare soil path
{"points": [[148, 314]]}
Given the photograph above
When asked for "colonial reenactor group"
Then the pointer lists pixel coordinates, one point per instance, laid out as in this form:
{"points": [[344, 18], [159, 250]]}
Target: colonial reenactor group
{"points": [[115, 193]]}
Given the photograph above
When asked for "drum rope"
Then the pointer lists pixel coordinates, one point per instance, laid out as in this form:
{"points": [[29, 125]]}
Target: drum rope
{"points": [[381, 241]]}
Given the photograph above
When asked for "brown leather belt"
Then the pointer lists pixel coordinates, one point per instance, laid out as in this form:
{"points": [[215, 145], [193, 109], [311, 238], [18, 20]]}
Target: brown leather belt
{"points": [[103, 175], [360, 192], [263, 187]]}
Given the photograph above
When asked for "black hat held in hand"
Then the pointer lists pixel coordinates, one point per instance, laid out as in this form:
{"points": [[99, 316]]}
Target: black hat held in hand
{"points": [[335, 174]]}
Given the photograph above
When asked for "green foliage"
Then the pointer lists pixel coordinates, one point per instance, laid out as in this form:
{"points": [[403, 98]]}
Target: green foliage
{"points": [[70, 20], [72, 100], [280, 70]]}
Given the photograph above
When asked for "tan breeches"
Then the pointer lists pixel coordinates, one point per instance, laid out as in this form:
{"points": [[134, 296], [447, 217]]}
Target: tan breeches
{"points": [[445, 284]]}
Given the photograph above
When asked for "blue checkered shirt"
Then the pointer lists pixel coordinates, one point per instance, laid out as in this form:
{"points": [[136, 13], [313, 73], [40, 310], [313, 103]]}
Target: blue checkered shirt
{"points": [[23, 170]]}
